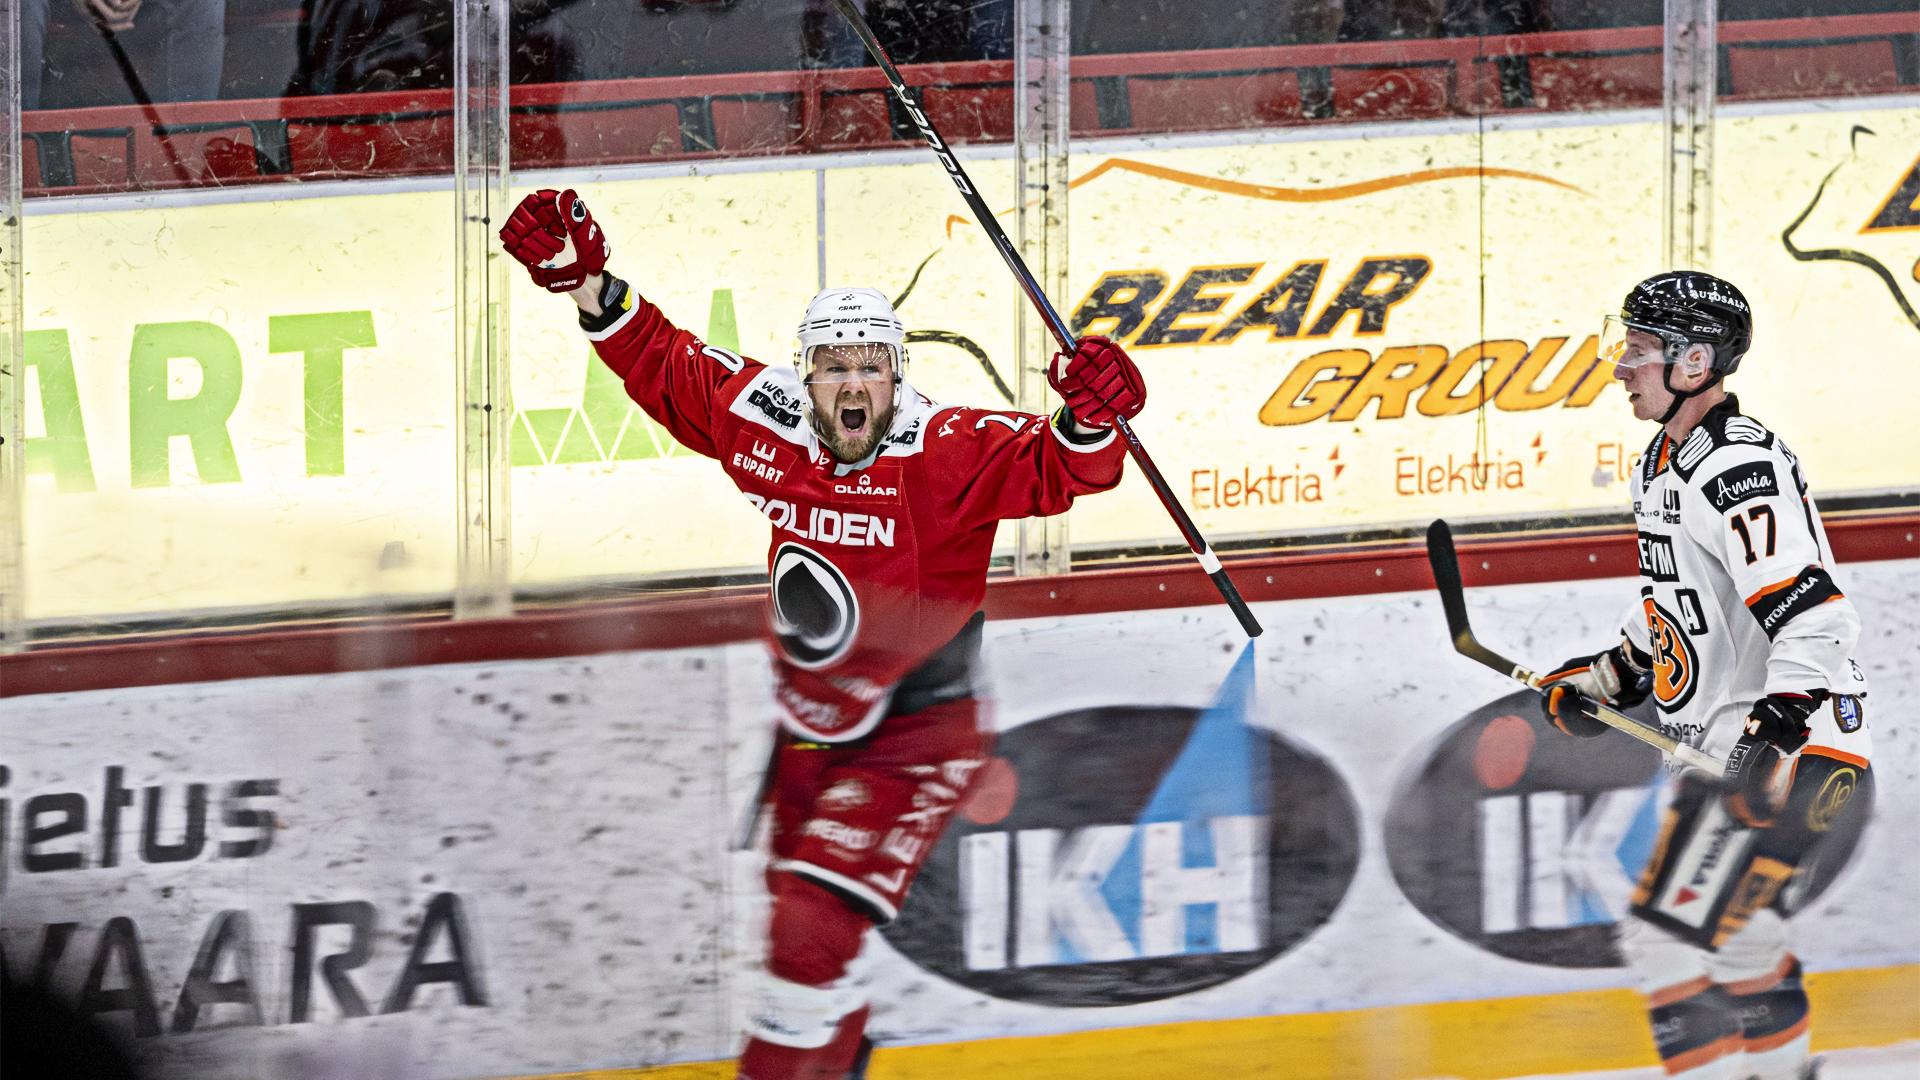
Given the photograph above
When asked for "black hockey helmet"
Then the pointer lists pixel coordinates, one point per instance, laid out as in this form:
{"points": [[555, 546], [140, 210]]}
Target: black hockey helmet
{"points": [[1687, 307]]}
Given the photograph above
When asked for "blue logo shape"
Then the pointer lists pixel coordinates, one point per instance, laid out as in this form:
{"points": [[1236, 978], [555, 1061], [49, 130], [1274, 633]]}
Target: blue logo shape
{"points": [[1846, 709], [1221, 772]]}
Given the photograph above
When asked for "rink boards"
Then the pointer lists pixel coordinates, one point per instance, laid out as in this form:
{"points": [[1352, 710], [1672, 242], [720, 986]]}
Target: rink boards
{"points": [[1347, 850]]}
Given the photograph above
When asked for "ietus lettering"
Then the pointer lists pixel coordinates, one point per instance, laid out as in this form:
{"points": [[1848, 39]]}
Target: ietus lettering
{"points": [[824, 525], [56, 831]]}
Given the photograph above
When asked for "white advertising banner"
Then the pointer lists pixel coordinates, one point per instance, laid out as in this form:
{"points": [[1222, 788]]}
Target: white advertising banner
{"points": [[524, 868], [248, 403]]}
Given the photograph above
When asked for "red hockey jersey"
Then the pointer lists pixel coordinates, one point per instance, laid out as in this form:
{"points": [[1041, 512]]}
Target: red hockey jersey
{"points": [[876, 565]]}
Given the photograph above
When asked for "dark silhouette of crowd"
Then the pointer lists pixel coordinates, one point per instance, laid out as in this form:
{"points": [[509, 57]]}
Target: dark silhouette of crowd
{"points": [[185, 50]]}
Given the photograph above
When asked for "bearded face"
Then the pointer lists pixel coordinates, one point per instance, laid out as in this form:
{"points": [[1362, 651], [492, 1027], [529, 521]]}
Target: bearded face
{"points": [[851, 387]]}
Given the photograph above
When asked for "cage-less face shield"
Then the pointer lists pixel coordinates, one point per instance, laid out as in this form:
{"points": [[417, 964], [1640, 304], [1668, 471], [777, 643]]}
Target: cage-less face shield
{"points": [[871, 363], [1631, 346]]}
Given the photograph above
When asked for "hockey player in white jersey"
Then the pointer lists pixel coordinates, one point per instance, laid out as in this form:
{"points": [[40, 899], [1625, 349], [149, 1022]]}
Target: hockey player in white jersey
{"points": [[1744, 639]]}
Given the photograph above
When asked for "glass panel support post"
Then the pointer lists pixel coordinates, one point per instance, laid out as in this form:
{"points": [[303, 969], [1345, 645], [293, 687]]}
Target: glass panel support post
{"points": [[13, 374], [1041, 49], [483, 400], [1691, 72]]}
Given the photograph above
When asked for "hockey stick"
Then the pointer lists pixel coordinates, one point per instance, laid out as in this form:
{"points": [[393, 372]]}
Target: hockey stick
{"points": [[138, 89], [1191, 535], [750, 823], [1453, 600]]}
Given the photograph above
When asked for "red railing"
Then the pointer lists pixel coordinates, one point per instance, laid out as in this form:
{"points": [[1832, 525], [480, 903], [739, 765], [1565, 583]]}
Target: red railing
{"points": [[735, 614], [586, 124]]}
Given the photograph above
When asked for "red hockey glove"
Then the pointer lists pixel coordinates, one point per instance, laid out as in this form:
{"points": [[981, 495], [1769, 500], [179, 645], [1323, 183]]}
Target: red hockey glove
{"points": [[1098, 382], [537, 231], [1616, 677]]}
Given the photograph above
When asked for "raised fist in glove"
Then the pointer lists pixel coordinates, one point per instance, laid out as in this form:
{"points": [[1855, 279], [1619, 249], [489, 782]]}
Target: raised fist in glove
{"points": [[1620, 677], [538, 230], [1099, 383]]}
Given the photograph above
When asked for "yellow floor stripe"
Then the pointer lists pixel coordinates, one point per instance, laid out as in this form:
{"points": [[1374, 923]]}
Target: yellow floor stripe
{"points": [[1469, 1040]]}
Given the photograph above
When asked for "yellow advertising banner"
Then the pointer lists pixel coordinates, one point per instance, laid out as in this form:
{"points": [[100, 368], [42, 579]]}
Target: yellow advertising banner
{"points": [[250, 403]]}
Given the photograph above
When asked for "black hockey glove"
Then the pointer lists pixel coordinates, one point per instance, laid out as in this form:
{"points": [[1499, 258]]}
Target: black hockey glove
{"points": [[1781, 719], [1776, 727], [1619, 677], [1751, 767]]}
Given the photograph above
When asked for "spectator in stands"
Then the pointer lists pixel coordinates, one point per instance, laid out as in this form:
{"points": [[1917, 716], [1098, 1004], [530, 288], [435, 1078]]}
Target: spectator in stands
{"points": [[183, 44], [368, 46], [1457, 18], [364, 46], [914, 31], [1385, 19]]}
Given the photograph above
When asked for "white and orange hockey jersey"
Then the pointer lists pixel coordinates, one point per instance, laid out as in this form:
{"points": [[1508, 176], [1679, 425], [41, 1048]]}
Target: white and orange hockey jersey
{"points": [[1738, 595]]}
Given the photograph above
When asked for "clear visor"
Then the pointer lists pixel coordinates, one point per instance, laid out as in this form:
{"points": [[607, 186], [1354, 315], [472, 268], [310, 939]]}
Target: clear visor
{"points": [[867, 362], [1629, 347]]}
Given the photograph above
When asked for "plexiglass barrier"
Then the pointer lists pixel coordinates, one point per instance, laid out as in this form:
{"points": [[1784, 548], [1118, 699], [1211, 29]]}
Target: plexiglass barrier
{"points": [[271, 367]]}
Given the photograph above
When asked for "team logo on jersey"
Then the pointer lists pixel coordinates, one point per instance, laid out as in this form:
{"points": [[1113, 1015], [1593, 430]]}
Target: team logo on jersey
{"points": [[1676, 665], [815, 613]]}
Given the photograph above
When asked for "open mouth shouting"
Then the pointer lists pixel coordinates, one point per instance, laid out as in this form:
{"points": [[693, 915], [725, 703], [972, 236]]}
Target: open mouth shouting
{"points": [[853, 421]]}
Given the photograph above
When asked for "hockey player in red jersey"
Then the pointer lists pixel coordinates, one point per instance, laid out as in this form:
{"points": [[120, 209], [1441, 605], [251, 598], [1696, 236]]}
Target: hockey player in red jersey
{"points": [[883, 506], [1744, 640]]}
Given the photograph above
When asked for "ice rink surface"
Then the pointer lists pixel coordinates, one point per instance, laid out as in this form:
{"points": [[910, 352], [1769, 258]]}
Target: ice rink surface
{"points": [[1900, 1061]]}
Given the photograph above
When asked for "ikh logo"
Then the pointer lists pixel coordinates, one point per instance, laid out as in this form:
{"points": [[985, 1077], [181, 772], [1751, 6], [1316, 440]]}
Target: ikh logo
{"points": [[1528, 844], [1865, 215], [1186, 847]]}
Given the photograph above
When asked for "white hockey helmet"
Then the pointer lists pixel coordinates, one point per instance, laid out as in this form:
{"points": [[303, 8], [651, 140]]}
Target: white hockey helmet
{"points": [[851, 317]]}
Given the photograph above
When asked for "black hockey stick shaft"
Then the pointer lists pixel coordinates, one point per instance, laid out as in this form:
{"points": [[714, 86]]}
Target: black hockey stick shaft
{"points": [[138, 89], [1453, 601], [763, 789], [1189, 533]]}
